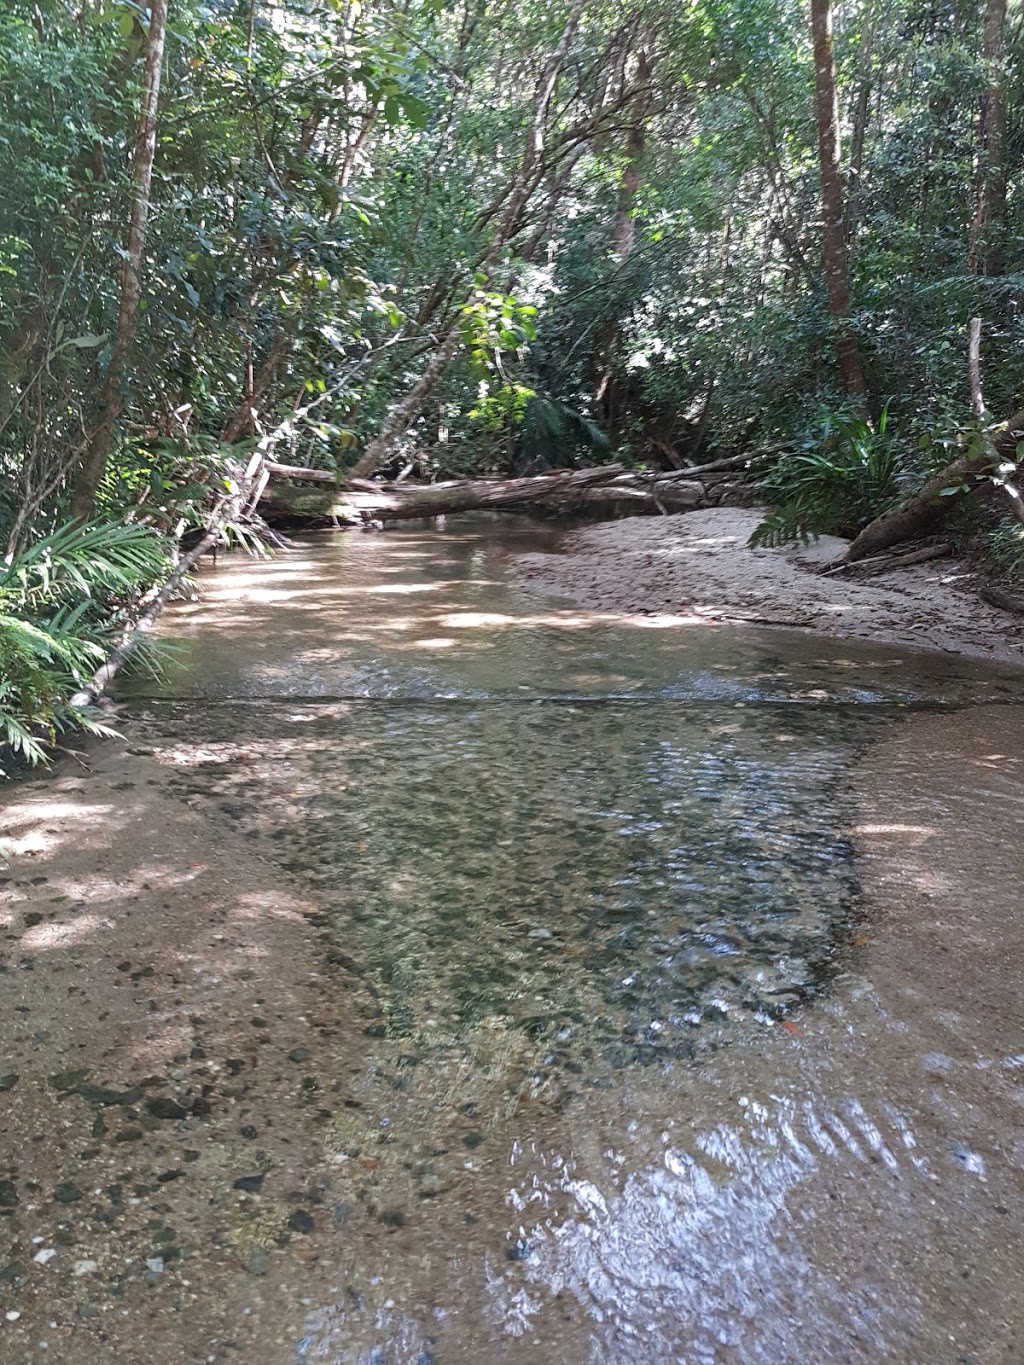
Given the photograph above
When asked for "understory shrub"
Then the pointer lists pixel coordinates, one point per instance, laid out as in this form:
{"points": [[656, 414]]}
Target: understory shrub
{"points": [[843, 475]]}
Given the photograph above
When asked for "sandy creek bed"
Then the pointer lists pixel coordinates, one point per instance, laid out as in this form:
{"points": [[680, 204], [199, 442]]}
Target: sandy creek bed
{"points": [[699, 568], [440, 973]]}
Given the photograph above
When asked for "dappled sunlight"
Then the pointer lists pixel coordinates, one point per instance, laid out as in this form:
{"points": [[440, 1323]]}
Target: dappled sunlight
{"points": [[390, 588], [26, 829], [257, 905], [44, 937], [35, 810], [921, 832]]}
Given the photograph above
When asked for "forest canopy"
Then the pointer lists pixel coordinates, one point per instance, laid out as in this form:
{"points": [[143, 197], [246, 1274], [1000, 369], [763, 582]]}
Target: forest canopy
{"points": [[456, 238]]}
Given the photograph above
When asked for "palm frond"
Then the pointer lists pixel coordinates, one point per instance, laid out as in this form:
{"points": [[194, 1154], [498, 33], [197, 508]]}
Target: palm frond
{"points": [[553, 433]]}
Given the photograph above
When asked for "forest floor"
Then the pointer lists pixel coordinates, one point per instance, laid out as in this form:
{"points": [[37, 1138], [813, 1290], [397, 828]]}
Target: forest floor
{"points": [[698, 567]]}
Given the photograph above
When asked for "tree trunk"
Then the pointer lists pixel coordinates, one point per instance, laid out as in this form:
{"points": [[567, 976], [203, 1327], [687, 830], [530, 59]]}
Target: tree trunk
{"points": [[111, 402], [861, 113], [837, 283], [243, 419], [629, 186], [918, 514], [403, 502], [403, 414], [984, 252]]}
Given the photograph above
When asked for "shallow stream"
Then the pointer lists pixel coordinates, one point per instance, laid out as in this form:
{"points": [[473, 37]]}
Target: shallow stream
{"points": [[684, 964]]}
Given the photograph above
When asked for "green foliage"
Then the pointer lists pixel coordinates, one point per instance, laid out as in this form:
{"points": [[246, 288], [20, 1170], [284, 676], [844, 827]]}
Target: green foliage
{"points": [[494, 324], [39, 668], [62, 602], [497, 411], [554, 433], [846, 474], [1002, 550]]}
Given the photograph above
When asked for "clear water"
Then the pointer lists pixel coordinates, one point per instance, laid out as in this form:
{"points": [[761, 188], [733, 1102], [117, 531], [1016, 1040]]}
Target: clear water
{"points": [[574, 875]]}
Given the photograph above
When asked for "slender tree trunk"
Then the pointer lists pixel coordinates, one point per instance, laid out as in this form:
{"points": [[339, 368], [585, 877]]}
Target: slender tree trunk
{"points": [[243, 420], [837, 282], [861, 114], [519, 191], [111, 401], [984, 252], [403, 414]]}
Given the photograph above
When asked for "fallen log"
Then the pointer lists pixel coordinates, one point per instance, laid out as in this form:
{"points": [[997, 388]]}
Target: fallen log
{"points": [[881, 563], [407, 501], [1005, 601], [917, 515], [365, 500], [286, 501], [393, 502], [696, 470]]}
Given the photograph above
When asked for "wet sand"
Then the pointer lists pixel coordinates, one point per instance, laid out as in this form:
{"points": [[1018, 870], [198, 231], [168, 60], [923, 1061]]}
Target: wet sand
{"points": [[209, 1152]]}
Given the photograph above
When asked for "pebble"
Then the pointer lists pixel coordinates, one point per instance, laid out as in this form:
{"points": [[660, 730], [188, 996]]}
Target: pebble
{"points": [[85, 1267], [299, 1054], [47, 1254], [163, 1108], [251, 1184]]}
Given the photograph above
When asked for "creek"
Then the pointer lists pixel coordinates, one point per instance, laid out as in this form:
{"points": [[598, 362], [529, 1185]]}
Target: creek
{"points": [[683, 964]]}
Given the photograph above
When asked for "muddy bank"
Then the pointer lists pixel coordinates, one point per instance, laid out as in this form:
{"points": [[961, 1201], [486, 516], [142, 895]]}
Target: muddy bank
{"points": [[699, 568]]}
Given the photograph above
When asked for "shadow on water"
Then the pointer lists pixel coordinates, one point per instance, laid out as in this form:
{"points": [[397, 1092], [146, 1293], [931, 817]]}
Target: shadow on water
{"points": [[576, 872]]}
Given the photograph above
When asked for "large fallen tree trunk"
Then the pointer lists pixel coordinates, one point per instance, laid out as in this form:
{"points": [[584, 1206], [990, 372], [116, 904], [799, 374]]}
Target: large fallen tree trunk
{"points": [[402, 502], [918, 514], [607, 485]]}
